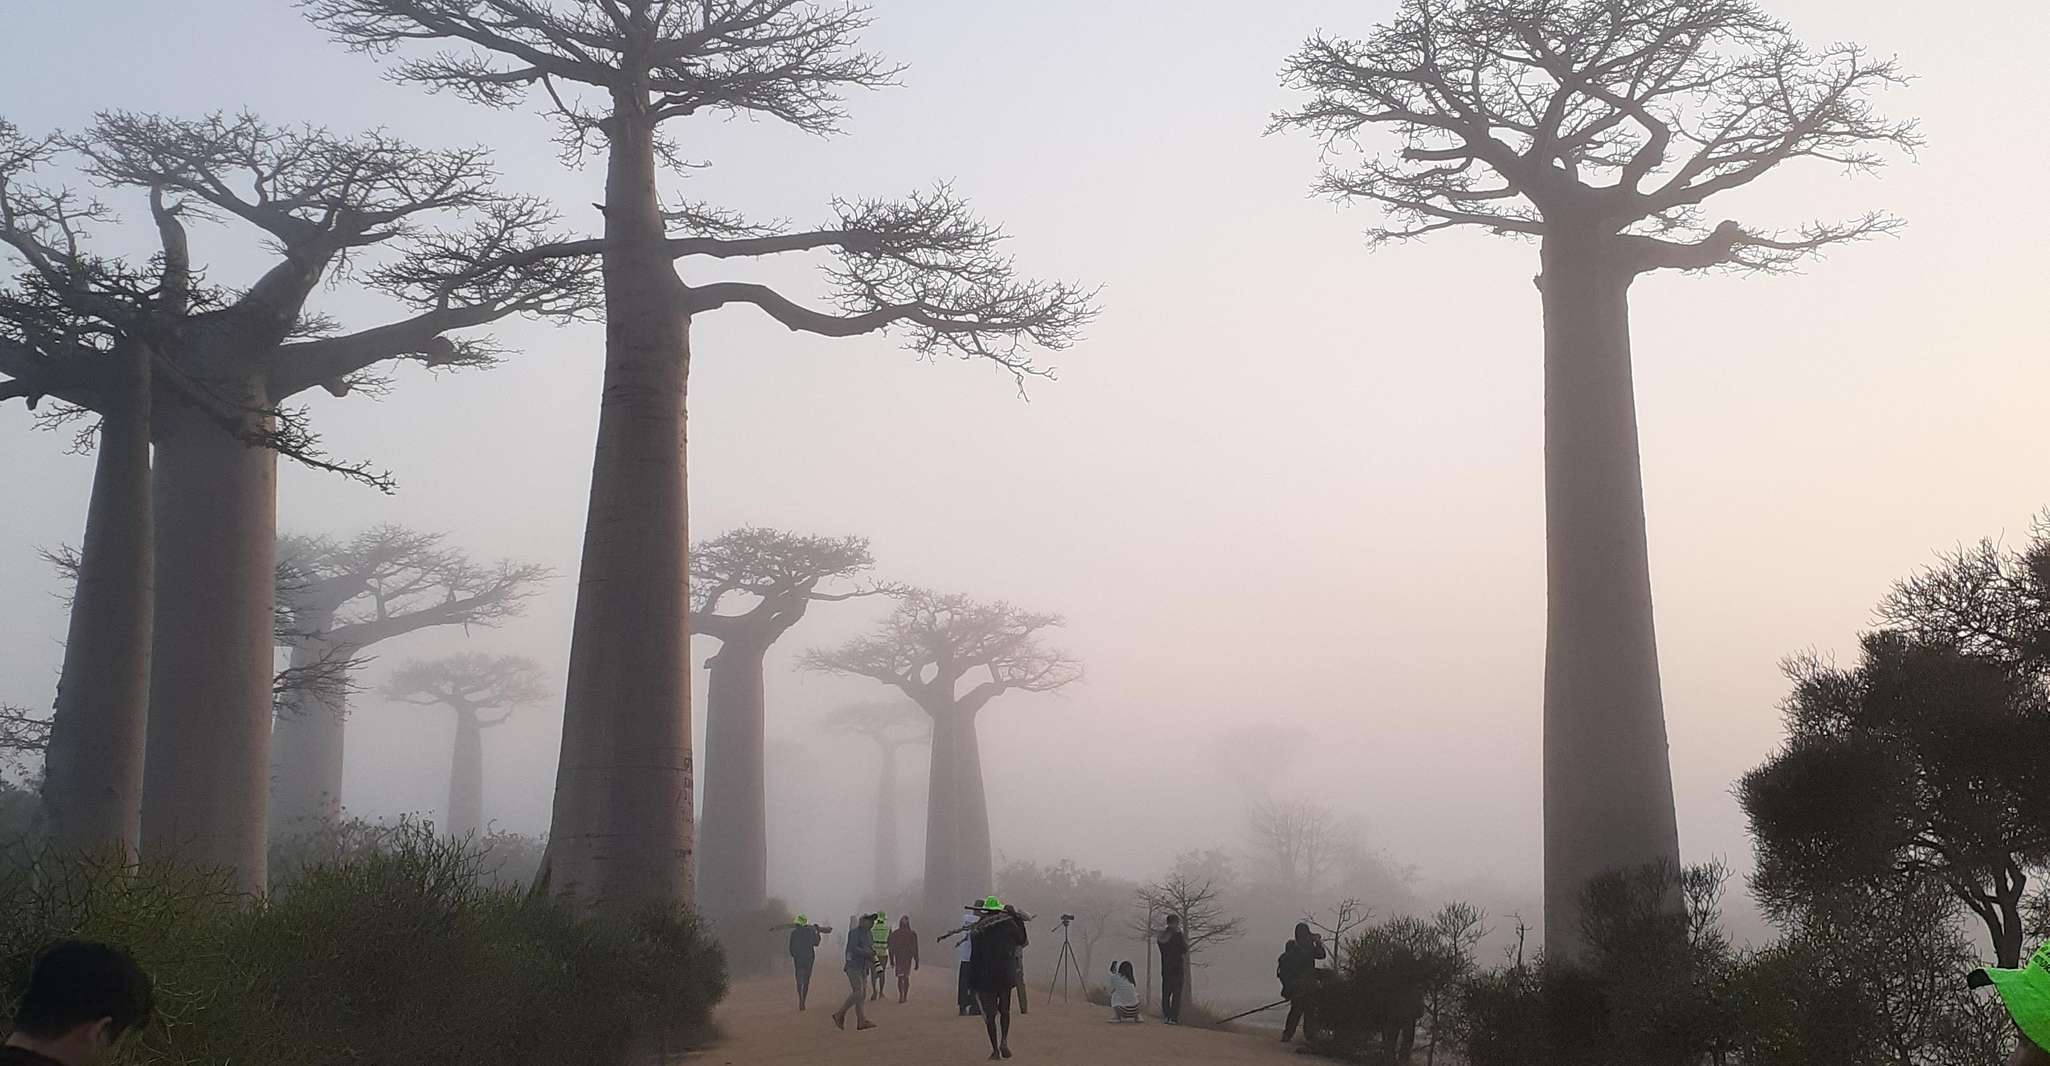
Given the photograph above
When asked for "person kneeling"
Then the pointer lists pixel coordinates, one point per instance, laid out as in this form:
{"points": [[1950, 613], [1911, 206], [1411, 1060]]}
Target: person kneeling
{"points": [[1124, 993]]}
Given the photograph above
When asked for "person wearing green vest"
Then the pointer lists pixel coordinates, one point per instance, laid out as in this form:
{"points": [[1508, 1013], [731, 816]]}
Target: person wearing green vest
{"points": [[879, 937], [2026, 995]]}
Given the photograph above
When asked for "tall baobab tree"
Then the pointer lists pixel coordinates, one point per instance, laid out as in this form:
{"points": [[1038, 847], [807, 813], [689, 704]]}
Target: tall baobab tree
{"points": [[75, 326], [748, 588], [1600, 129], [952, 655], [616, 75], [471, 685], [227, 365], [341, 598], [890, 726]]}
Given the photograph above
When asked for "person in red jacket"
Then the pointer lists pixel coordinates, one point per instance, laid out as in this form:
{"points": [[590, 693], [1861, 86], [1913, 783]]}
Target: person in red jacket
{"points": [[904, 956]]}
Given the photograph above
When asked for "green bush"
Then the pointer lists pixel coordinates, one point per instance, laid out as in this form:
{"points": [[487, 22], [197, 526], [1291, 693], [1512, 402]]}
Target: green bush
{"points": [[398, 953]]}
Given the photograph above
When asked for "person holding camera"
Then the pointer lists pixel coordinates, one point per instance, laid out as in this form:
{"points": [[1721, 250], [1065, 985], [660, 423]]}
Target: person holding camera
{"points": [[860, 960], [1174, 962], [1124, 993]]}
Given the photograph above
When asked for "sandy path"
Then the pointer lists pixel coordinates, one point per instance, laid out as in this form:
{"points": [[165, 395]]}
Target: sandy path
{"points": [[763, 1028]]}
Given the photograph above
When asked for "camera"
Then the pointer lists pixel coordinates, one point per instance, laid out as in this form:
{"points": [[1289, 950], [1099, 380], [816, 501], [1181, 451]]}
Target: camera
{"points": [[1066, 918]]}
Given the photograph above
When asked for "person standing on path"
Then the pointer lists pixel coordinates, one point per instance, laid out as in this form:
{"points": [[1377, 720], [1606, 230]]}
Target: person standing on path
{"points": [[1297, 970], [804, 950], [993, 972], [1174, 962], [860, 959], [964, 999], [904, 956], [879, 941], [81, 999]]}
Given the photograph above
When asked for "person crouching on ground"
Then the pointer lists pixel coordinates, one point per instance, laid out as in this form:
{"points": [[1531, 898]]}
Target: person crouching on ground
{"points": [[993, 972], [860, 960], [1124, 993], [81, 999], [904, 956]]}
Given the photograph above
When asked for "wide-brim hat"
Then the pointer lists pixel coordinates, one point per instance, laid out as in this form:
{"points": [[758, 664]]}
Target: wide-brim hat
{"points": [[2025, 993]]}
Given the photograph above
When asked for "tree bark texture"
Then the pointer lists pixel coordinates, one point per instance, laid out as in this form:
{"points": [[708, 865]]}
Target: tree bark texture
{"points": [[957, 857], [621, 832], [733, 854], [308, 745], [92, 785], [205, 765], [888, 864], [466, 776], [1608, 786]]}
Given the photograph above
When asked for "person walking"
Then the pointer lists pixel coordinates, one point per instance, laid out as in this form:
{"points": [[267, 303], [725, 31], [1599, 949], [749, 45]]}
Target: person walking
{"points": [[804, 950], [993, 970], [860, 959], [879, 940], [904, 956], [964, 1000], [1297, 969], [81, 999], [1174, 960]]}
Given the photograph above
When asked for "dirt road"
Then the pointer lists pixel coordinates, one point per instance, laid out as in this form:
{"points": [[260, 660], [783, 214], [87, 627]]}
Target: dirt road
{"points": [[763, 1028]]}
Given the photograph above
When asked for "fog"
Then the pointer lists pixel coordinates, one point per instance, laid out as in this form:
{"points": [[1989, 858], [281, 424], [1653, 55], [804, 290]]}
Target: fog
{"points": [[1285, 487]]}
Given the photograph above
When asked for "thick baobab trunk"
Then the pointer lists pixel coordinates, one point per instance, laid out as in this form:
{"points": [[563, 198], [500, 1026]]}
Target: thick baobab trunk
{"points": [[621, 834], [943, 897], [466, 776], [92, 784], [957, 853], [733, 845], [307, 743], [210, 680], [1607, 778], [887, 862]]}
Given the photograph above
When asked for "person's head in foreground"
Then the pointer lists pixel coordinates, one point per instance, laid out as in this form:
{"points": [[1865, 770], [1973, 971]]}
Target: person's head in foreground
{"points": [[81, 999], [2026, 995]]}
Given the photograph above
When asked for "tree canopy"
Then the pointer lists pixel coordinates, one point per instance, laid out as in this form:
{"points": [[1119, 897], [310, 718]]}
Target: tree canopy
{"points": [[1528, 117]]}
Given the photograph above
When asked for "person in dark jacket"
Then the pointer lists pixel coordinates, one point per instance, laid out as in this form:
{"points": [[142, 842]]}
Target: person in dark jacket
{"points": [[804, 951], [904, 956], [81, 999], [1174, 962], [993, 972], [1297, 969]]}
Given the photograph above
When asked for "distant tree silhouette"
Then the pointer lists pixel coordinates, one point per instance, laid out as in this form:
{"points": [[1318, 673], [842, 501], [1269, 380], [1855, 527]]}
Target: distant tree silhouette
{"points": [[616, 75], [1922, 762], [748, 588], [1600, 128], [891, 726], [952, 655], [471, 685], [342, 597]]}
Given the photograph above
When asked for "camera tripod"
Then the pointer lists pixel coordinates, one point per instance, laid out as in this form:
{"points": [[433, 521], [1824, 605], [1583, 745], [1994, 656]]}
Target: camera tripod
{"points": [[1065, 964]]}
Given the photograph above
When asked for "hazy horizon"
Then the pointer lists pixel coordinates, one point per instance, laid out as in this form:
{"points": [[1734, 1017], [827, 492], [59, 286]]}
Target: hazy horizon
{"points": [[1284, 482]]}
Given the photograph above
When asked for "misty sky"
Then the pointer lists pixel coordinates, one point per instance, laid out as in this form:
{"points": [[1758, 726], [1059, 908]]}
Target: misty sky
{"points": [[1284, 483]]}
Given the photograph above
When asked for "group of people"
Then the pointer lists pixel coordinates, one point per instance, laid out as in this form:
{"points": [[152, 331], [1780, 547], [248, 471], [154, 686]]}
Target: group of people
{"points": [[873, 948]]}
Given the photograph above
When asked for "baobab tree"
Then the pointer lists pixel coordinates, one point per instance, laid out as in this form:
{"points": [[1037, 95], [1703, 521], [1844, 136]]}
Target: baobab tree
{"points": [[890, 726], [952, 655], [343, 597], [226, 366], [75, 326], [471, 685], [1600, 129], [748, 588], [616, 75]]}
